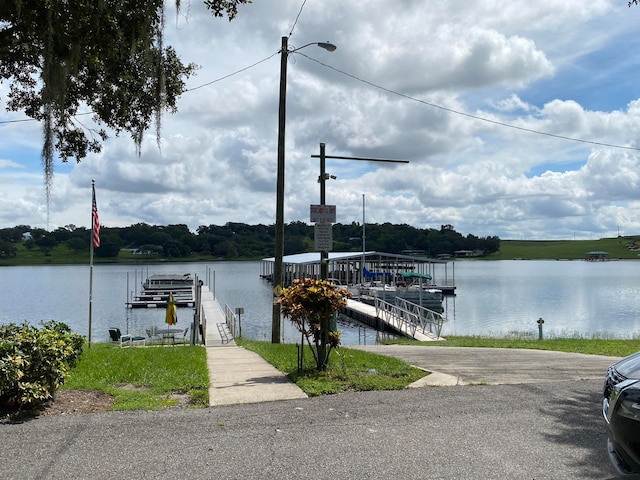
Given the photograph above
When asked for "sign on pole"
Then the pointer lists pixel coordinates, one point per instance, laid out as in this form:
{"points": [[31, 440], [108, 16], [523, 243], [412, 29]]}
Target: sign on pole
{"points": [[323, 213], [323, 236]]}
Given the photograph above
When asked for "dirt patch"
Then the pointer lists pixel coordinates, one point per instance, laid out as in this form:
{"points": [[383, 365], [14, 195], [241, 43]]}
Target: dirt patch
{"points": [[69, 402], [73, 402]]}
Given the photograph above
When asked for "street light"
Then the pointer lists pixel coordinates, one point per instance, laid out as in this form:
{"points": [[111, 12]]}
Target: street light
{"points": [[278, 279]]}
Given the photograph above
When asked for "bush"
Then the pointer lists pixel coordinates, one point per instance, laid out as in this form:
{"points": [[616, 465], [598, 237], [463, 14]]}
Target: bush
{"points": [[310, 304], [34, 362]]}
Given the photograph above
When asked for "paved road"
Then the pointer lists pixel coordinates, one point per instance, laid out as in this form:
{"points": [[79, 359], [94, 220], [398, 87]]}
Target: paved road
{"points": [[551, 430], [544, 429]]}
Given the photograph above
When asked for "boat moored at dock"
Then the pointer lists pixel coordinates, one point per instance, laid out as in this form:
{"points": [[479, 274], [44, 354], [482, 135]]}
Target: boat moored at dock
{"points": [[157, 288]]}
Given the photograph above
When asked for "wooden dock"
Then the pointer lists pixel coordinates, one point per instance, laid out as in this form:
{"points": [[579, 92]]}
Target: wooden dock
{"points": [[369, 315], [158, 299]]}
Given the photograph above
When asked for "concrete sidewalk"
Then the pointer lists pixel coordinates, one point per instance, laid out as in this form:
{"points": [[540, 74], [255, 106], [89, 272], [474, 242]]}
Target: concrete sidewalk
{"points": [[237, 375]]}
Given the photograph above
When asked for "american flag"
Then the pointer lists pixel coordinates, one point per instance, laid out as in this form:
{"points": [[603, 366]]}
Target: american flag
{"points": [[95, 226]]}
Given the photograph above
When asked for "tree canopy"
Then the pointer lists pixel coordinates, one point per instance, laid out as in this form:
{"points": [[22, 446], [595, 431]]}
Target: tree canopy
{"points": [[238, 240], [105, 58]]}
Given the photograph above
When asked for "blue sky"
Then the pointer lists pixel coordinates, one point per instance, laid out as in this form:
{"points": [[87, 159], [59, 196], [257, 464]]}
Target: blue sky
{"points": [[567, 68]]}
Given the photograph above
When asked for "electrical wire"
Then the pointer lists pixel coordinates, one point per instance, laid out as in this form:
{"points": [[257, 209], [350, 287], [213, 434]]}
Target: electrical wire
{"points": [[234, 73], [297, 18], [465, 114], [399, 94]]}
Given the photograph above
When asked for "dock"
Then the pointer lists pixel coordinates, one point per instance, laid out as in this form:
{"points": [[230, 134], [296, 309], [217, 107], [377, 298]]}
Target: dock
{"points": [[182, 297], [405, 318], [350, 268], [157, 288], [237, 375]]}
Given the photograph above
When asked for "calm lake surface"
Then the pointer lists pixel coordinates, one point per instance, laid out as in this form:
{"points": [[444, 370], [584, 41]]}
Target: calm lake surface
{"points": [[493, 297]]}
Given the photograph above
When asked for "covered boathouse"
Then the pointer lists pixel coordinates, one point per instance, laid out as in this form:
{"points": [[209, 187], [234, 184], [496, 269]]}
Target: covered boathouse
{"points": [[351, 268]]}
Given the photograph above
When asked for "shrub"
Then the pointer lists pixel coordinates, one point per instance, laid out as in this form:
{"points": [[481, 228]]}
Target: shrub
{"points": [[310, 304], [34, 362]]}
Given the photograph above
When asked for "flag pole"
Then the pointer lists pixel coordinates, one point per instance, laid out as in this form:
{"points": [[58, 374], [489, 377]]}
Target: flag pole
{"points": [[94, 241]]}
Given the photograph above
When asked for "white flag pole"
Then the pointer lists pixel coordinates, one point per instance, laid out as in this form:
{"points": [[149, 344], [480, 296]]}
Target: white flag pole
{"points": [[94, 241]]}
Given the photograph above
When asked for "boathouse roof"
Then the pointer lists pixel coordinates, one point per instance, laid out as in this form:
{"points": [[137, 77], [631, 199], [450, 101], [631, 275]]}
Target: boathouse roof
{"points": [[314, 257]]}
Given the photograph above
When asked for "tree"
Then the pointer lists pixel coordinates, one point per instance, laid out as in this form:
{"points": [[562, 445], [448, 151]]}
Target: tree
{"points": [[110, 244], [7, 249], [310, 304], [104, 57], [78, 244], [47, 243]]}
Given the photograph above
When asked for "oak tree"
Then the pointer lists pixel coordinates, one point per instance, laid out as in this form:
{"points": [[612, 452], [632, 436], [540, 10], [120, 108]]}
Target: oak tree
{"points": [[106, 58]]}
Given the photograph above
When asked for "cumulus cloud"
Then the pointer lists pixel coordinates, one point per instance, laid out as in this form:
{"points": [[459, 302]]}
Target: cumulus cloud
{"points": [[480, 100]]}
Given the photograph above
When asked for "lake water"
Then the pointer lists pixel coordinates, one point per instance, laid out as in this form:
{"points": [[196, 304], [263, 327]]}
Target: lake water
{"points": [[493, 297]]}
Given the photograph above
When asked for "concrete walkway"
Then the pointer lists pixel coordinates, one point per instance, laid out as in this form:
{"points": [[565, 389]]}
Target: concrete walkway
{"points": [[237, 375]]}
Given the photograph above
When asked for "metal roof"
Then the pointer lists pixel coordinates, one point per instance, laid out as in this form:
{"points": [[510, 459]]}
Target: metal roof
{"points": [[314, 257]]}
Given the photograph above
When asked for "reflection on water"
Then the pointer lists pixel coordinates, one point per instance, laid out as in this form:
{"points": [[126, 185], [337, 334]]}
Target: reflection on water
{"points": [[572, 297], [492, 298]]}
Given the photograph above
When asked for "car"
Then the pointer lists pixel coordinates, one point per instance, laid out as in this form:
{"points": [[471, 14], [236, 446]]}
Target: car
{"points": [[621, 410]]}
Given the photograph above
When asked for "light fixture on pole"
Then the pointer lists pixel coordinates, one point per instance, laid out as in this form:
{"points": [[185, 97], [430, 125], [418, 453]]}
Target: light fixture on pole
{"points": [[278, 277]]}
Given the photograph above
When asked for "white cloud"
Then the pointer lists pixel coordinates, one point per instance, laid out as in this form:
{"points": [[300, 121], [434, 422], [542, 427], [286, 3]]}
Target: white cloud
{"points": [[510, 63]]}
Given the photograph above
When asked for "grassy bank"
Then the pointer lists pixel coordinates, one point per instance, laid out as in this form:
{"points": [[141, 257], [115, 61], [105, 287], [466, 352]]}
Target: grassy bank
{"points": [[63, 255], [590, 346], [348, 369], [155, 377], [619, 247]]}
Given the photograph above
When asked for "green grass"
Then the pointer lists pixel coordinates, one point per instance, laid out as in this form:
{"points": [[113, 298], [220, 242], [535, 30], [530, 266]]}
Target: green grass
{"points": [[627, 247], [143, 378], [572, 344], [348, 369], [619, 247], [63, 255]]}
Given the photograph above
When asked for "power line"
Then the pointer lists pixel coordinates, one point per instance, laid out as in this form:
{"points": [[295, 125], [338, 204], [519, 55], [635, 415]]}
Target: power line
{"points": [[399, 94], [297, 18], [18, 121], [234, 73], [469, 115]]}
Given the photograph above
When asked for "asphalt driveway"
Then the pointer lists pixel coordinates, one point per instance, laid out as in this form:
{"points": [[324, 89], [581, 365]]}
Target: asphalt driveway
{"points": [[495, 366]]}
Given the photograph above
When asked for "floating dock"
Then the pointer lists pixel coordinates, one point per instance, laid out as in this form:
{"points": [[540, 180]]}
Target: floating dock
{"points": [[157, 288]]}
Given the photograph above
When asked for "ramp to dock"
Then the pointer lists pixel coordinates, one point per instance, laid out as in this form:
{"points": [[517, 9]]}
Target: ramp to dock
{"points": [[406, 318]]}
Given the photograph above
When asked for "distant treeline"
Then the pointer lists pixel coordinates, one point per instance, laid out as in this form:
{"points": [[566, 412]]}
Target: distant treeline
{"points": [[242, 241]]}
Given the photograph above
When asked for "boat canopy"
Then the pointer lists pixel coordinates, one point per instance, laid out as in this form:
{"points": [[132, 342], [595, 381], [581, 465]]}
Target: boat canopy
{"points": [[415, 275], [368, 274]]}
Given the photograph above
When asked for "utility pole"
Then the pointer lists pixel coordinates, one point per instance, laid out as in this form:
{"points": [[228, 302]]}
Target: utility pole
{"points": [[324, 253]]}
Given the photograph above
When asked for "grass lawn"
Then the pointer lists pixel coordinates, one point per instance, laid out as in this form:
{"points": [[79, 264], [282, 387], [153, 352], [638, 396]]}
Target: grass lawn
{"points": [[143, 378], [618, 247], [348, 369], [591, 346]]}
